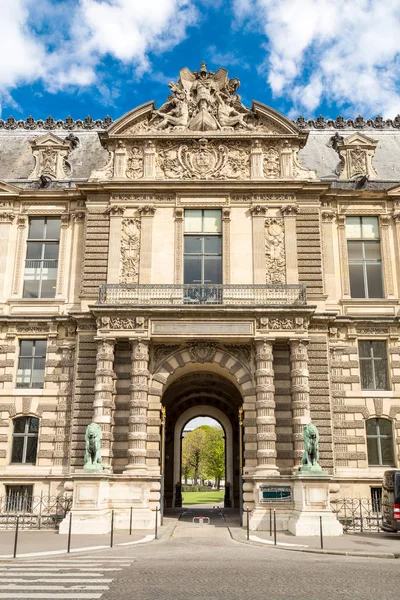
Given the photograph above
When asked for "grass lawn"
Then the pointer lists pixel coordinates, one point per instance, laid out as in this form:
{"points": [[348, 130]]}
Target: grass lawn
{"points": [[213, 497]]}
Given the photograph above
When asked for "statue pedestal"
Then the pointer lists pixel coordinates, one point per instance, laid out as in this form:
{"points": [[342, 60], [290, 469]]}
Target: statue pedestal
{"points": [[312, 501], [96, 494]]}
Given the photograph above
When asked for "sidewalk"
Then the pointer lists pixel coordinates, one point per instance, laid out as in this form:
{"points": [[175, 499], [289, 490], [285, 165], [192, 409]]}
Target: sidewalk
{"points": [[51, 542], [379, 545]]}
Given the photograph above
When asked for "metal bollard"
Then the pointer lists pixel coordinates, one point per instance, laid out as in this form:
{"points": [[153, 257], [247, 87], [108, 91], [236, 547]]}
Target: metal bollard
{"points": [[274, 528], [16, 538], [156, 525], [130, 522], [248, 524], [321, 533], [112, 529], [69, 533], [270, 522]]}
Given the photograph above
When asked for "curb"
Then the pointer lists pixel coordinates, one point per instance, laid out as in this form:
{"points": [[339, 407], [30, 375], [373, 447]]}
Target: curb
{"points": [[147, 538], [356, 553]]}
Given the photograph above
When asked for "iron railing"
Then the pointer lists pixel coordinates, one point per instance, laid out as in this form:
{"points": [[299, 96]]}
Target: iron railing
{"points": [[207, 294], [358, 514], [34, 512]]}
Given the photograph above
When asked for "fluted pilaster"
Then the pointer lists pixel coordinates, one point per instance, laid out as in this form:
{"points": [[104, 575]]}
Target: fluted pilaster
{"points": [[265, 407], [137, 435], [300, 395], [104, 394]]}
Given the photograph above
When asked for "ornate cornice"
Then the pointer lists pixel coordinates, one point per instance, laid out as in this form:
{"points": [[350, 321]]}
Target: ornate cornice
{"points": [[342, 123], [51, 124]]}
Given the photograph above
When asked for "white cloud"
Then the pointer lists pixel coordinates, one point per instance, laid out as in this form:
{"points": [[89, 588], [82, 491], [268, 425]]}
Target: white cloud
{"points": [[339, 51], [64, 44]]}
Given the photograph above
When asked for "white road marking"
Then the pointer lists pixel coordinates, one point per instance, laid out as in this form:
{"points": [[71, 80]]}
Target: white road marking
{"points": [[54, 587], [41, 596], [59, 580], [255, 538], [83, 569]]}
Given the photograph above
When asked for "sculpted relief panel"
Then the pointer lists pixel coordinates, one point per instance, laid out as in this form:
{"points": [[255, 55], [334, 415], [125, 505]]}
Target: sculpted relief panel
{"points": [[275, 251], [203, 131], [130, 251]]}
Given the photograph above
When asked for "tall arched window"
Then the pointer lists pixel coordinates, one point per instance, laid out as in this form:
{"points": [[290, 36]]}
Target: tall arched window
{"points": [[380, 442], [25, 440]]}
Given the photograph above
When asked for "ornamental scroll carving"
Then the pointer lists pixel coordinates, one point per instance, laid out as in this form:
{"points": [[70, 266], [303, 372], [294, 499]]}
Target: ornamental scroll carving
{"points": [[275, 262], [130, 250], [50, 153], [356, 153]]}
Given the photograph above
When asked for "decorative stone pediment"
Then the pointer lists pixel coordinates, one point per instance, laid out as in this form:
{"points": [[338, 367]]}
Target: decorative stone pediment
{"points": [[50, 153], [203, 131], [7, 190], [356, 153]]}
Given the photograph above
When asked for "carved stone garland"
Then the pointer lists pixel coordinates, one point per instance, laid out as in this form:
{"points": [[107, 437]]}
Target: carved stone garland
{"points": [[130, 250], [275, 263]]}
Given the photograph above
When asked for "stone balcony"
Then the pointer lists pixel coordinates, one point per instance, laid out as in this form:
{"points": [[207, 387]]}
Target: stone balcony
{"points": [[174, 295]]}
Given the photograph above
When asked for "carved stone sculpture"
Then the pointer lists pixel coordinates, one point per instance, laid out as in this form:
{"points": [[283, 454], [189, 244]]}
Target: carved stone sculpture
{"points": [[92, 448], [275, 262], [310, 459], [356, 153], [50, 153], [130, 250]]}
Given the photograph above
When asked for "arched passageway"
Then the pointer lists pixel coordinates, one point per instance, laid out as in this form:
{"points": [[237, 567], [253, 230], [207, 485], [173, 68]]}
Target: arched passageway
{"points": [[195, 394]]}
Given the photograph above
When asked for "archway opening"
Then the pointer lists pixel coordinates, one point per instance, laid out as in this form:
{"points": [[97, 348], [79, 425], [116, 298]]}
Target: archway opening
{"points": [[201, 394], [203, 462]]}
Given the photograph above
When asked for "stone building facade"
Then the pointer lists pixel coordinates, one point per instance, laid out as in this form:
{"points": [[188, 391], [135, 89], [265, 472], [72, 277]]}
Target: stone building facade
{"points": [[209, 259]]}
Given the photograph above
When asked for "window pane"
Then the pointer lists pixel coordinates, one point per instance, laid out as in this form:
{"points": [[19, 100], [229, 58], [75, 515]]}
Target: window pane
{"points": [[31, 450], [193, 221], [53, 228], [353, 227], [17, 450], [34, 250], [36, 229], [19, 425], [370, 228], [212, 269], [372, 448], [212, 221], [385, 426], [355, 251], [192, 269], [371, 427], [367, 381], [192, 244], [374, 281], [40, 347], [212, 245], [357, 281], [379, 349], [372, 250], [387, 451], [26, 348], [38, 372], [31, 289], [33, 425], [48, 288], [381, 379], [51, 250]]}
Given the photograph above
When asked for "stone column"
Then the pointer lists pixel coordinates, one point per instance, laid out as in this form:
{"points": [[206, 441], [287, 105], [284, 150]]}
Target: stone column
{"points": [[114, 249], [137, 435], [300, 395], [327, 218], [146, 242], [344, 259], [265, 409], [258, 213], [289, 213], [149, 161], [256, 161], [62, 257], [103, 394], [387, 257]]}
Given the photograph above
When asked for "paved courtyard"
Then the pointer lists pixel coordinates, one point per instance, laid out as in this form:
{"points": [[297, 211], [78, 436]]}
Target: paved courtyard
{"points": [[192, 562]]}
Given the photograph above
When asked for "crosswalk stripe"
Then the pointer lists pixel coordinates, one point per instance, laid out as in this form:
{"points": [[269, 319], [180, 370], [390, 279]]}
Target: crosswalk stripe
{"points": [[74, 560], [46, 574], [41, 596], [59, 580], [54, 587], [84, 569]]}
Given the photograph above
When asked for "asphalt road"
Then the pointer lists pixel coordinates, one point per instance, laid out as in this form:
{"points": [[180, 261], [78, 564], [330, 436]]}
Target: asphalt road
{"points": [[194, 563]]}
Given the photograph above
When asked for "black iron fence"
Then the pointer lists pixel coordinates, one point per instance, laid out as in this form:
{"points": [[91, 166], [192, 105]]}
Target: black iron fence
{"points": [[361, 515], [34, 512]]}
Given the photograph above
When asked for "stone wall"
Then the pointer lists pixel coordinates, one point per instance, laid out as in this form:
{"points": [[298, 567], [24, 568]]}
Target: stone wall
{"points": [[95, 261], [309, 249]]}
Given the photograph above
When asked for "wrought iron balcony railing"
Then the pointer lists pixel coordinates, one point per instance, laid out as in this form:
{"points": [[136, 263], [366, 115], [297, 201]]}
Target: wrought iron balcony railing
{"points": [[208, 295]]}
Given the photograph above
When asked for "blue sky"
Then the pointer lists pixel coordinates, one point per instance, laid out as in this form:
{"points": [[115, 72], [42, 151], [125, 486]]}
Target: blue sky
{"points": [[99, 57]]}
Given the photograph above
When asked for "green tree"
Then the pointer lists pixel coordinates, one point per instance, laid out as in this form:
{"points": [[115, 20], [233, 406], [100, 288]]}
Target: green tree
{"points": [[192, 445], [213, 456], [203, 454]]}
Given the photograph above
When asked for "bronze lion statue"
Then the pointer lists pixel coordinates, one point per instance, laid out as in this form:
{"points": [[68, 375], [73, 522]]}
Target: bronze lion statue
{"points": [[92, 446], [310, 456]]}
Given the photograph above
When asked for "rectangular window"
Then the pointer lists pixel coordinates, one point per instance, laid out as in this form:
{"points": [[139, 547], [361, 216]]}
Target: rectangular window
{"points": [[373, 365], [202, 247], [364, 254], [376, 499], [40, 275], [19, 498], [31, 363]]}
